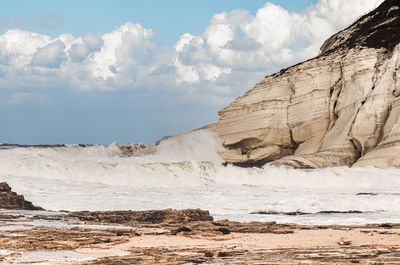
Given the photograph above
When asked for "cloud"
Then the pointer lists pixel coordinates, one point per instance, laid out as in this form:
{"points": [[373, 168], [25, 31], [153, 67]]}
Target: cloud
{"points": [[88, 44], [162, 70], [272, 27], [20, 46], [273, 39], [3, 59], [50, 56], [246, 44], [127, 46], [234, 51]]}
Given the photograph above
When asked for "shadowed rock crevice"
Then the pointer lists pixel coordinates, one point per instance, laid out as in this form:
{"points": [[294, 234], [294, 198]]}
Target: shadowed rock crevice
{"points": [[334, 93]]}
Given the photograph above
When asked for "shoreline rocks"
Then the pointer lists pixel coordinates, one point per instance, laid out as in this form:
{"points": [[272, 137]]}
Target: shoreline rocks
{"points": [[10, 200], [150, 217], [24, 240], [131, 149]]}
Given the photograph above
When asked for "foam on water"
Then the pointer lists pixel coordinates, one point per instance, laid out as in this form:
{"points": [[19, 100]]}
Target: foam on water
{"points": [[188, 173]]}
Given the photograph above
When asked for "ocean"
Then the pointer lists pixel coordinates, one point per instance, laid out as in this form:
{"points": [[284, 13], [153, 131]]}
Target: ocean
{"points": [[188, 173]]}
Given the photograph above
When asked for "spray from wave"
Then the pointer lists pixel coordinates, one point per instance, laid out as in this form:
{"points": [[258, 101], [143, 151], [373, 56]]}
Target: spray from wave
{"points": [[191, 157], [186, 172], [197, 146]]}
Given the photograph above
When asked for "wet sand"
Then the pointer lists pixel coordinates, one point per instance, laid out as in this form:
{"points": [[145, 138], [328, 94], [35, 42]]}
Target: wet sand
{"points": [[178, 237]]}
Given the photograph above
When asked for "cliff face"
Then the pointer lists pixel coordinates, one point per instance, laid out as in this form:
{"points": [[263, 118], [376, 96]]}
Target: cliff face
{"points": [[340, 108]]}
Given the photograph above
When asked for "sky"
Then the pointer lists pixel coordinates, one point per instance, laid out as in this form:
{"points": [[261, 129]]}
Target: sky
{"points": [[100, 71]]}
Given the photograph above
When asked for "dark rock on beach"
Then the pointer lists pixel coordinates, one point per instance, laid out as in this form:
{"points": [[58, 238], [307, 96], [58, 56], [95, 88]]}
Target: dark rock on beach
{"points": [[151, 217], [12, 201]]}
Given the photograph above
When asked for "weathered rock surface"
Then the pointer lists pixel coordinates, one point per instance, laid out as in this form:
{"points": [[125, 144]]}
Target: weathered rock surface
{"points": [[341, 108], [131, 149], [152, 217], [25, 239], [12, 201]]}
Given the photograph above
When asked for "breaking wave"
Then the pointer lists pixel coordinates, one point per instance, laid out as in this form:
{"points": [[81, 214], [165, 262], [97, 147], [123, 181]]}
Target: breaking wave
{"points": [[192, 159], [186, 172]]}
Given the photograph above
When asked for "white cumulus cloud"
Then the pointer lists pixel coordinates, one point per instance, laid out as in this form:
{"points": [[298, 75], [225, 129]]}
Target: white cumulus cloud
{"points": [[234, 51], [89, 43], [19, 46], [272, 39], [125, 45], [50, 56]]}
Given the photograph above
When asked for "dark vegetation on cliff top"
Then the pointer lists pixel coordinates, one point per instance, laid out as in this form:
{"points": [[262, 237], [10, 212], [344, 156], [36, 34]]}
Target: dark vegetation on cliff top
{"points": [[379, 28]]}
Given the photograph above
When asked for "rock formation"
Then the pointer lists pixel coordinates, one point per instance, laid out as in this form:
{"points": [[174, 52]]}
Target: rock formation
{"points": [[341, 108], [153, 216], [12, 201], [131, 149]]}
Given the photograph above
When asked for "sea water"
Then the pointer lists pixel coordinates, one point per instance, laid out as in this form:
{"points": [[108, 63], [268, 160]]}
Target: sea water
{"points": [[188, 173]]}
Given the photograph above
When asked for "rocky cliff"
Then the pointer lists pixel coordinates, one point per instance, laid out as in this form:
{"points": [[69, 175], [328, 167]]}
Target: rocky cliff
{"points": [[341, 108]]}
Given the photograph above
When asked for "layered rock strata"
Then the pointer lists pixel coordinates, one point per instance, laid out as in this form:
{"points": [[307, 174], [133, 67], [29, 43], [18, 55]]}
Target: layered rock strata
{"points": [[341, 108]]}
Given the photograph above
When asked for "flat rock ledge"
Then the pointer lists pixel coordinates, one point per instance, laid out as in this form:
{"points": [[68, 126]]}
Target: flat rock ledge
{"points": [[24, 240], [12, 201], [150, 217]]}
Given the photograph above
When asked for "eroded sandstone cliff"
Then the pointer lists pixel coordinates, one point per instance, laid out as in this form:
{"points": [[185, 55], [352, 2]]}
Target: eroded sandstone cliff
{"points": [[340, 108]]}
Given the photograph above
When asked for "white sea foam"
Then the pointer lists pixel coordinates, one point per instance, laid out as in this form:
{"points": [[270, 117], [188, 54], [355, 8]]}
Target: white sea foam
{"points": [[198, 146], [187, 173]]}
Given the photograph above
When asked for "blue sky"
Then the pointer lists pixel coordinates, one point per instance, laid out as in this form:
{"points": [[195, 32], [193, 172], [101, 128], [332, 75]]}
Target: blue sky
{"points": [[168, 18], [134, 71]]}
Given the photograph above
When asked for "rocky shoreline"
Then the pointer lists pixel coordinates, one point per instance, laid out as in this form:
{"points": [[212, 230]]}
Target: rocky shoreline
{"points": [[186, 237], [30, 234]]}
